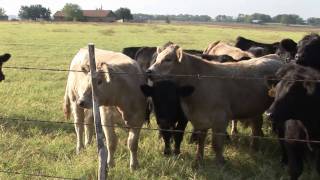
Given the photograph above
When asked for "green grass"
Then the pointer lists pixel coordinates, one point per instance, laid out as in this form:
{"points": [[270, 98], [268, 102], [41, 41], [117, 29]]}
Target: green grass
{"points": [[47, 148]]}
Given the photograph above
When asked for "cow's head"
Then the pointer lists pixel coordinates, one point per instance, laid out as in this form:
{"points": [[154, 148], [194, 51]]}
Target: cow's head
{"points": [[287, 49], [3, 58], [295, 94], [85, 89], [308, 51], [167, 62], [166, 99]]}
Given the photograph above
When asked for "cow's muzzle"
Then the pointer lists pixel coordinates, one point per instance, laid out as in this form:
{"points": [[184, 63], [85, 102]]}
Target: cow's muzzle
{"points": [[84, 104]]}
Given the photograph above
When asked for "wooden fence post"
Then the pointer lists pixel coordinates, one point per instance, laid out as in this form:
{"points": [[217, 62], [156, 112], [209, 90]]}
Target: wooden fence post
{"points": [[102, 174]]}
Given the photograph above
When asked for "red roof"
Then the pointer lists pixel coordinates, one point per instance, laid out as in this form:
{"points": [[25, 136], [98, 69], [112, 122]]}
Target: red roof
{"points": [[88, 13]]}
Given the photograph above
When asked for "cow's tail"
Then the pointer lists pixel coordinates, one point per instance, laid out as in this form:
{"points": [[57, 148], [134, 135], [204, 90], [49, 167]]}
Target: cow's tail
{"points": [[66, 105]]}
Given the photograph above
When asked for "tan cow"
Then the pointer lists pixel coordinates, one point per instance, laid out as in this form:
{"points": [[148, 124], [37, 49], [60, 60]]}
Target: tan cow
{"points": [[220, 48], [119, 79], [215, 101], [83, 118]]}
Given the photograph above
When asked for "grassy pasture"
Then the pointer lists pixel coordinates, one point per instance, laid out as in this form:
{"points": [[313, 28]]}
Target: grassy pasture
{"points": [[47, 148]]}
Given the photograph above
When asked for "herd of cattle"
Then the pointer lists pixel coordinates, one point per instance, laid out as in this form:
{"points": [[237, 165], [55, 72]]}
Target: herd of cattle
{"points": [[207, 88]]}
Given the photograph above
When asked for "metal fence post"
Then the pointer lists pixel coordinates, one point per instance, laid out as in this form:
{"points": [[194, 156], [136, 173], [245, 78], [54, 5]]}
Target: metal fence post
{"points": [[102, 173]]}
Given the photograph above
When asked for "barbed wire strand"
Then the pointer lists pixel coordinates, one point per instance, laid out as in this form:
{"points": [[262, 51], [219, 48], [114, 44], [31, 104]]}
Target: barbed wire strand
{"points": [[167, 130], [196, 76], [36, 175]]}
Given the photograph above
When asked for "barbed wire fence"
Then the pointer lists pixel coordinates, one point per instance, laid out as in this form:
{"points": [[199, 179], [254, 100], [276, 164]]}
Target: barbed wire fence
{"points": [[195, 76]]}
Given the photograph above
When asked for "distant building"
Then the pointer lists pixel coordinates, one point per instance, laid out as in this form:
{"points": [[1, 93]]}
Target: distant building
{"points": [[90, 16], [257, 21], [3, 18]]}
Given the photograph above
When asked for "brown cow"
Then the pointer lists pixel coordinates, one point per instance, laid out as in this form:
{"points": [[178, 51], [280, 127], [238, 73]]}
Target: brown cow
{"points": [[215, 101], [220, 48]]}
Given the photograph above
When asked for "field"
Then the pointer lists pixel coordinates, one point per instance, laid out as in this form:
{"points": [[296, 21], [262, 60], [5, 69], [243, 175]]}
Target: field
{"points": [[49, 148]]}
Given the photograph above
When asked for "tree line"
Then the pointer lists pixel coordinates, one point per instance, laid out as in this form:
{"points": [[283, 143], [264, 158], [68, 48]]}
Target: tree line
{"points": [[73, 12], [180, 17], [264, 18]]}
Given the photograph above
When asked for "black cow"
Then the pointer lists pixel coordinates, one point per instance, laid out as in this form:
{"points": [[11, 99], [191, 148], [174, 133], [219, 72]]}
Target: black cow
{"points": [[295, 115], [308, 51], [131, 51], [3, 58], [287, 50], [256, 48], [169, 114]]}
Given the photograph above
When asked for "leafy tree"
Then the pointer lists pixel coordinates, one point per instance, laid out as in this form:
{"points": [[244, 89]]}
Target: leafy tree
{"points": [[288, 19], [124, 14], [72, 12], [313, 21], [34, 12], [245, 18], [2, 12], [262, 17], [168, 20], [223, 18]]}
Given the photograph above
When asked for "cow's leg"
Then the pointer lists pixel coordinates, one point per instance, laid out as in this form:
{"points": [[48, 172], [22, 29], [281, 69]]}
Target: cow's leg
{"points": [[318, 160], [284, 155], [193, 138], [218, 135], [78, 116], [256, 130], [178, 136], [88, 127], [295, 160], [133, 147], [201, 135], [107, 121], [234, 129], [166, 135]]}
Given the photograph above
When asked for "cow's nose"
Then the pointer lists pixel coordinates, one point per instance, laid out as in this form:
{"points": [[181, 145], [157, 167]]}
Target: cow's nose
{"points": [[149, 71], [81, 103]]}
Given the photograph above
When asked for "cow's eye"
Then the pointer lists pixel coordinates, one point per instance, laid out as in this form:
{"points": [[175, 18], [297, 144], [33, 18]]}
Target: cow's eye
{"points": [[167, 60], [99, 82]]}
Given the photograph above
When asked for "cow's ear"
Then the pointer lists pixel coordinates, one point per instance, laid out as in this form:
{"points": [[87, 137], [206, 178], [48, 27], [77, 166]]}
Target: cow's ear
{"points": [[85, 68], [104, 68], [179, 53], [147, 90], [159, 50], [309, 86], [4, 58], [289, 45], [271, 82], [185, 91]]}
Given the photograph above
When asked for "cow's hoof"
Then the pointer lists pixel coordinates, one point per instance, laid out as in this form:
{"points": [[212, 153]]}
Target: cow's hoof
{"points": [[176, 152], [167, 152], [220, 161], [197, 164], [79, 149], [255, 146], [111, 164], [134, 167]]}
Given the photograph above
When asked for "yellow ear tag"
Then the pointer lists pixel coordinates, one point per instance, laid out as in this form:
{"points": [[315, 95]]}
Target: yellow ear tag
{"points": [[272, 92]]}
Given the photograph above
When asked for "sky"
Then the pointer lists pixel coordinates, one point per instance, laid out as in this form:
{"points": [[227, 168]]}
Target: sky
{"points": [[304, 8]]}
